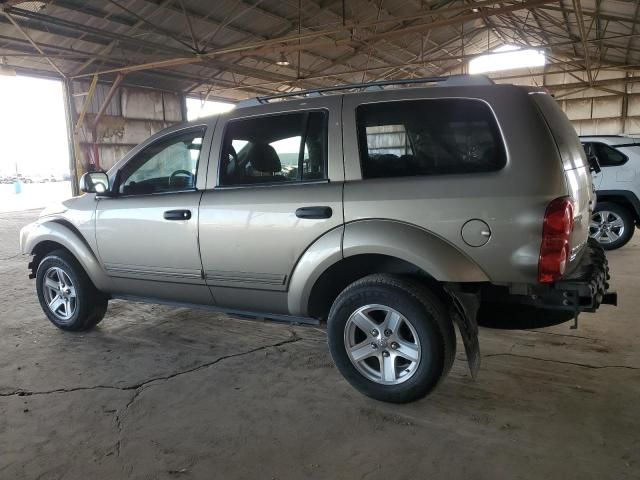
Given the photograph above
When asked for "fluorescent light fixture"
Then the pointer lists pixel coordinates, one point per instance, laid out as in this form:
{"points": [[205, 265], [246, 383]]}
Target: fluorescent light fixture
{"points": [[31, 6], [507, 57], [282, 61]]}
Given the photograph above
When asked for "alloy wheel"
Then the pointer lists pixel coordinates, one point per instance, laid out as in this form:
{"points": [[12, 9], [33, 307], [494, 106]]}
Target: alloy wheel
{"points": [[382, 344], [60, 293], [606, 226]]}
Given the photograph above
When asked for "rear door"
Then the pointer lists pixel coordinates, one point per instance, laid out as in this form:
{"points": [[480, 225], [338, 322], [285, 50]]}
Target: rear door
{"points": [[277, 188]]}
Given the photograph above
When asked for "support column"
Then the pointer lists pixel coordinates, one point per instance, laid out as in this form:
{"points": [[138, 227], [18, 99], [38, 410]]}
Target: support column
{"points": [[183, 106], [70, 114]]}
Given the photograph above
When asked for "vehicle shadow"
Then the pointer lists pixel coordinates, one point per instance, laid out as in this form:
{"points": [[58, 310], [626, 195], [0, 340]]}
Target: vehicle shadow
{"points": [[520, 317]]}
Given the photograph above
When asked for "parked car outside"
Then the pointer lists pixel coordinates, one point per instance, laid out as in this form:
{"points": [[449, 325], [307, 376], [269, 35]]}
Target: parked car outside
{"points": [[402, 212], [617, 184]]}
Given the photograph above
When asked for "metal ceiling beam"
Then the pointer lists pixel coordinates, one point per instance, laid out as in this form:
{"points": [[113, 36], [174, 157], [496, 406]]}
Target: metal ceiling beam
{"points": [[446, 58], [583, 35], [75, 27], [240, 31], [31, 41], [589, 13], [143, 21], [636, 15], [261, 45], [111, 45]]}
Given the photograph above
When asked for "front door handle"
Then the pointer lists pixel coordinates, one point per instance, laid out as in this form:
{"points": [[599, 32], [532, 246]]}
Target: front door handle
{"points": [[314, 212], [177, 215]]}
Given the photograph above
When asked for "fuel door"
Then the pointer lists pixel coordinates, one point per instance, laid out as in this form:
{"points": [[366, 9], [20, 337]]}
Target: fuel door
{"points": [[475, 233]]}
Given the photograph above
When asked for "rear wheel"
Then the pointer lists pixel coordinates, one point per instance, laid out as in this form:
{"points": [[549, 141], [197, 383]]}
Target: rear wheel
{"points": [[611, 225], [66, 294], [391, 338]]}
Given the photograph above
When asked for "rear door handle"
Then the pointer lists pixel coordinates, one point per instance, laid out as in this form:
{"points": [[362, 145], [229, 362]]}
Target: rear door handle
{"points": [[177, 215], [314, 212]]}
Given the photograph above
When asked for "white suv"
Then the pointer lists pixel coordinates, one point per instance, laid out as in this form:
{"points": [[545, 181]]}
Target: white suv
{"points": [[617, 185]]}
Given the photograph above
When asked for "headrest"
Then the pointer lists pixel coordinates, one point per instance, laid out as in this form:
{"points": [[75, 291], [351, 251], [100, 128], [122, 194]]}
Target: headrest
{"points": [[263, 158]]}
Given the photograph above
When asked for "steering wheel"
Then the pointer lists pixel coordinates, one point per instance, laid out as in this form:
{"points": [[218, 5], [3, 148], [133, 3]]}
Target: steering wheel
{"points": [[177, 173]]}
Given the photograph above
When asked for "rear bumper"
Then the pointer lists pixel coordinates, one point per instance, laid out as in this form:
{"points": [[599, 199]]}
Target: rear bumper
{"points": [[588, 285], [584, 290]]}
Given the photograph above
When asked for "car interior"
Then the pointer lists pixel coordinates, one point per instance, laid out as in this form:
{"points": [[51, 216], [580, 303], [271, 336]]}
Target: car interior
{"points": [[428, 138], [165, 166], [274, 149]]}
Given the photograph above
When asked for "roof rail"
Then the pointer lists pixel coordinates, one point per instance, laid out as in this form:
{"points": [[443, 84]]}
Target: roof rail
{"points": [[450, 81]]}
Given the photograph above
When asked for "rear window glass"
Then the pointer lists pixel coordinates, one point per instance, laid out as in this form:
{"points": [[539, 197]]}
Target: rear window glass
{"points": [[428, 137]]}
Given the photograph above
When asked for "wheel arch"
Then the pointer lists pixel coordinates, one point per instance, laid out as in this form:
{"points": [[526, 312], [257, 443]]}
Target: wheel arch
{"points": [[350, 269], [41, 238], [361, 248], [622, 197]]}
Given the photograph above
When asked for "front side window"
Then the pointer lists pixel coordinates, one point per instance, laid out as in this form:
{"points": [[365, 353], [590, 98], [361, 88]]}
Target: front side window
{"points": [[168, 165], [290, 147], [428, 137], [607, 156]]}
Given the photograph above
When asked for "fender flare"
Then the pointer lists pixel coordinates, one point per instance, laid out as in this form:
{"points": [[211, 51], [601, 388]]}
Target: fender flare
{"points": [[324, 252], [53, 231], [425, 250], [628, 195], [422, 248]]}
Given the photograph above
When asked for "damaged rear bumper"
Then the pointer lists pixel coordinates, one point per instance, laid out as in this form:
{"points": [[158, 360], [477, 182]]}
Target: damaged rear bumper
{"points": [[585, 289]]}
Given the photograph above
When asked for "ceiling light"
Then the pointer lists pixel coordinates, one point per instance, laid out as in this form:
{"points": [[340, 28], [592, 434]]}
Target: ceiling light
{"points": [[282, 61], [507, 57], [31, 6], [6, 69], [475, 10]]}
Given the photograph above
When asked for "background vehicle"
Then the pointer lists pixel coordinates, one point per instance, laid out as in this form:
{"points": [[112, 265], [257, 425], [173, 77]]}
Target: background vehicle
{"points": [[389, 214], [617, 185]]}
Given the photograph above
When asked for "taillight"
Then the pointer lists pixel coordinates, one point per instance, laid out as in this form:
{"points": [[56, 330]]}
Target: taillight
{"points": [[555, 249]]}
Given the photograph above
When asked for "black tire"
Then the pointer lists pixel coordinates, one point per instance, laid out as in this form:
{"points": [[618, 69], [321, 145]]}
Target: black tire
{"points": [[624, 215], [90, 304], [422, 309]]}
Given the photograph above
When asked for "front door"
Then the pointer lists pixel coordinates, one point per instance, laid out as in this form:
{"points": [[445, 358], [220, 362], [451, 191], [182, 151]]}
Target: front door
{"points": [[147, 235], [273, 198]]}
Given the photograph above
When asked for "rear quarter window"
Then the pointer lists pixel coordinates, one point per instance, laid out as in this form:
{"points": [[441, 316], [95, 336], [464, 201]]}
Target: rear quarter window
{"points": [[428, 137]]}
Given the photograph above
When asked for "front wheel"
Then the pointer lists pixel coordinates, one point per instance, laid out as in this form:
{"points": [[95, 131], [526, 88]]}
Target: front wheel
{"points": [[611, 225], [66, 294], [391, 338]]}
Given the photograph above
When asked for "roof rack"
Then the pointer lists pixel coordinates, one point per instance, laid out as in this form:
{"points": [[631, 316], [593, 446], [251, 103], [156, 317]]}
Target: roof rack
{"points": [[453, 80]]}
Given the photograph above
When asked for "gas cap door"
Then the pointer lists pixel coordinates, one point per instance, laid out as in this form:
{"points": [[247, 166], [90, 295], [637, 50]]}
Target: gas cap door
{"points": [[475, 233]]}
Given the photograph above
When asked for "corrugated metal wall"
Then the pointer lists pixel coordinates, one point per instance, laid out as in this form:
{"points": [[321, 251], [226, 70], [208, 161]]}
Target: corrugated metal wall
{"points": [[612, 107], [132, 116]]}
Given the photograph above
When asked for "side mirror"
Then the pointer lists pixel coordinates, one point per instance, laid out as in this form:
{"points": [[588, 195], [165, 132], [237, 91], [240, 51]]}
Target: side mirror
{"points": [[592, 158], [95, 182]]}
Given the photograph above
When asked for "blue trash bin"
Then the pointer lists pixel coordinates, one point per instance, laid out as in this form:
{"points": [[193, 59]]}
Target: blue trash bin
{"points": [[17, 185]]}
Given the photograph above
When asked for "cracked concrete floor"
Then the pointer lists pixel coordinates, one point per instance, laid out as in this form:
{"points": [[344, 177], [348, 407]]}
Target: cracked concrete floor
{"points": [[158, 392]]}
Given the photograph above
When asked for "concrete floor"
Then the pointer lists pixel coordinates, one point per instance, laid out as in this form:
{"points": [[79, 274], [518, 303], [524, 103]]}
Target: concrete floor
{"points": [[158, 392]]}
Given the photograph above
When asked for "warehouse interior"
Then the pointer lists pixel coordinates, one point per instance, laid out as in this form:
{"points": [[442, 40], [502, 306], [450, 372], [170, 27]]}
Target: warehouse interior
{"points": [[164, 392]]}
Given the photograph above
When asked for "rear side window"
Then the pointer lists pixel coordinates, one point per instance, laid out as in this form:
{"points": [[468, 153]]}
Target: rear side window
{"points": [[607, 156], [285, 148], [428, 137]]}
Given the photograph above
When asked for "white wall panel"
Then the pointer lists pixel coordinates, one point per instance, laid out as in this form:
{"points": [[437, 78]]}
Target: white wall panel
{"points": [[578, 109], [607, 107]]}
